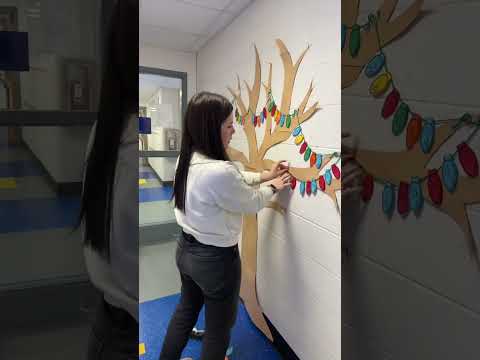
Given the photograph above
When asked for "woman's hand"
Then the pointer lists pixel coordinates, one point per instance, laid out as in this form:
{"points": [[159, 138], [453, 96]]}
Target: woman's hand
{"points": [[281, 182], [277, 170], [352, 172]]}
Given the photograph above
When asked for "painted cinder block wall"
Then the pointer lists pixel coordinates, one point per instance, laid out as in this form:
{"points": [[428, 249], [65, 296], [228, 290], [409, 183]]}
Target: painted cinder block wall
{"points": [[299, 253], [409, 289]]}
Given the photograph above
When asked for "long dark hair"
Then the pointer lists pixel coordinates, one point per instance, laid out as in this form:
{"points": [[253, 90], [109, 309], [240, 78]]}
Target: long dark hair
{"points": [[206, 112], [118, 101]]}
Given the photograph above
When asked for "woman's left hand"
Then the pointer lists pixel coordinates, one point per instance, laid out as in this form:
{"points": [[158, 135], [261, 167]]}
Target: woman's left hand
{"points": [[278, 169], [353, 173]]}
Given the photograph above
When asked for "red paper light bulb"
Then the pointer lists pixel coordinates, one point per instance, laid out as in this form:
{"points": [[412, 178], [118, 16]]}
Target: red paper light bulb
{"points": [[435, 188], [468, 159], [309, 187], [391, 103], [274, 110], [293, 183], [321, 183], [336, 171], [303, 147]]}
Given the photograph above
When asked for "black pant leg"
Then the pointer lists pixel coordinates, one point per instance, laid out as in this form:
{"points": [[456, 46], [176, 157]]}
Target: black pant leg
{"points": [[184, 318], [221, 307]]}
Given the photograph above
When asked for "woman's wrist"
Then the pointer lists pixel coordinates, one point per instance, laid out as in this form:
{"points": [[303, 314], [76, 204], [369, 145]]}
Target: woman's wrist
{"points": [[265, 176]]}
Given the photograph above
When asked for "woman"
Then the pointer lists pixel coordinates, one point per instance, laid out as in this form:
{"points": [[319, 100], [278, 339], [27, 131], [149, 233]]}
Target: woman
{"points": [[211, 195], [110, 191]]}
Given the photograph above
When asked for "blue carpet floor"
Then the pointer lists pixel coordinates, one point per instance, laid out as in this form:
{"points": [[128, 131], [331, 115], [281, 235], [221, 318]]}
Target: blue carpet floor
{"points": [[38, 214], [155, 194], [20, 168], [247, 341]]}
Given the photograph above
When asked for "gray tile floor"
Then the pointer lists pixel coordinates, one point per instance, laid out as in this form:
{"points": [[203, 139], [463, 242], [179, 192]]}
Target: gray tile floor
{"points": [[155, 212], [40, 318], [158, 273], [47, 323]]}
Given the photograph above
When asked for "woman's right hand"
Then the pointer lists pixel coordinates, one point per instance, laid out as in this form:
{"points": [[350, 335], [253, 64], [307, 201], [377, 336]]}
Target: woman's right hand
{"points": [[281, 182]]}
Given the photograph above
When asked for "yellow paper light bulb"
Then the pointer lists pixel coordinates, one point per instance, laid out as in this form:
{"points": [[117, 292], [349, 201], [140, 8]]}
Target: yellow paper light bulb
{"points": [[381, 84], [299, 139]]}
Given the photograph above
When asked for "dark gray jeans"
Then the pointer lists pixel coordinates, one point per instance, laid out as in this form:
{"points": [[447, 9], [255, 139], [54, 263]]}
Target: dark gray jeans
{"points": [[210, 275]]}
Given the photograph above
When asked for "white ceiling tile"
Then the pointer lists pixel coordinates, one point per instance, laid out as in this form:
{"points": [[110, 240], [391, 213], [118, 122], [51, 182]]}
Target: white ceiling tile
{"points": [[166, 38], [212, 4], [177, 16], [186, 25], [237, 6], [201, 41], [222, 21]]}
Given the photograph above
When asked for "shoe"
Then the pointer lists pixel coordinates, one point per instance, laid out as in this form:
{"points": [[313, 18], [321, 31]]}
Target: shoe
{"points": [[186, 359], [197, 334]]}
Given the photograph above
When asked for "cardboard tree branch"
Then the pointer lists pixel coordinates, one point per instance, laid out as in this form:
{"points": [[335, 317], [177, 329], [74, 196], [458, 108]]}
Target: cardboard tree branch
{"points": [[255, 162], [281, 134], [306, 174], [414, 162], [253, 96], [388, 31]]}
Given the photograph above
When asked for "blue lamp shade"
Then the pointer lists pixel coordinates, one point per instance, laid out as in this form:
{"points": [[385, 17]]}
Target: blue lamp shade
{"points": [[14, 51], [144, 125]]}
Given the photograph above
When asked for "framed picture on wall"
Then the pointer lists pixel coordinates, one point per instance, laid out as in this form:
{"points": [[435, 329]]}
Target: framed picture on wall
{"points": [[78, 85]]}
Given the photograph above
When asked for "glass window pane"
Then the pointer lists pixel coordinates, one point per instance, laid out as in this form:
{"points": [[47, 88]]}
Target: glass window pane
{"points": [[56, 59], [161, 102], [40, 186]]}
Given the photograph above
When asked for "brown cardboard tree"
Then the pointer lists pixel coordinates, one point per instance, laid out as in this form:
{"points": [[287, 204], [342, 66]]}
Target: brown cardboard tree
{"points": [[389, 31], [396, 167], [256, 162]]}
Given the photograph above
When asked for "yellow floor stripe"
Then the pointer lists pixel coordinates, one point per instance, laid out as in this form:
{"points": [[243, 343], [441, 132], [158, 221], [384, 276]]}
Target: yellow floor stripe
{"points": [[8, 183], [142, 181], [142, 349]]}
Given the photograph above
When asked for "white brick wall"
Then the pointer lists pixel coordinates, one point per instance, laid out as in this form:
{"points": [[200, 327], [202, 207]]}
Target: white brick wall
{"points": [[298, 254], [411, 292]]}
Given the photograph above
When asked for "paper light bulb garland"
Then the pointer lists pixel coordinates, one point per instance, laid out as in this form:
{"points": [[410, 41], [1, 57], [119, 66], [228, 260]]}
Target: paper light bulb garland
{"points": [[414, 130], [400, 119], [435, 188], [375, 65], [415, 195], [388, 199], [468, 159], [390, 104], [449, 173], [314, 159], [355, 38], [419, 130]]}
